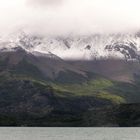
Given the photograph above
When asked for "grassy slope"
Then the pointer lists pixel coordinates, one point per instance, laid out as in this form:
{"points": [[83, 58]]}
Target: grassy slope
{"points": [[99, 86], [96, 88], [118, 92], [65, 81], [92, 85]]}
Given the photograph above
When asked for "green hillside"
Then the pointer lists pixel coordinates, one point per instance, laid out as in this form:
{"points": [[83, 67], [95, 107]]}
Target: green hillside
{"points": [[28, 97]]}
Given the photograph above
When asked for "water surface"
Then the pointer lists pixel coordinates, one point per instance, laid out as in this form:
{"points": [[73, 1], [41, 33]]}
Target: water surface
{"points": [[24, 133]]}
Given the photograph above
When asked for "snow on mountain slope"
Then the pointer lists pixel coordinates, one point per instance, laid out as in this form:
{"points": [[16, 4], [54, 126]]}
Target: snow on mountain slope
{"points": [[121, 46]]}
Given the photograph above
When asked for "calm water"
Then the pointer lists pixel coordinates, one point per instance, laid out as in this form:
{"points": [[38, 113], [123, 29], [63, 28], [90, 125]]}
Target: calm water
{"points": [[69, 134]]}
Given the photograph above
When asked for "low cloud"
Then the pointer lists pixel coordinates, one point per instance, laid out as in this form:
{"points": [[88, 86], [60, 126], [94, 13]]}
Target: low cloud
{"points": [[70, 16]]}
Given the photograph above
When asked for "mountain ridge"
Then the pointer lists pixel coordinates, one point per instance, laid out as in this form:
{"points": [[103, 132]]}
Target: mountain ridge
{"points": [[99, 46]]}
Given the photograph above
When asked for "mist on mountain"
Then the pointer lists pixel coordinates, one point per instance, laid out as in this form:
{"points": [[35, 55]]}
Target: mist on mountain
{"points": [[69, 17]]}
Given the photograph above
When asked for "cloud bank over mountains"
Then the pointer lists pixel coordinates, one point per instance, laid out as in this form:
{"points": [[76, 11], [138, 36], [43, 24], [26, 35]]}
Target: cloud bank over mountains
{"points": [[57, 17]]}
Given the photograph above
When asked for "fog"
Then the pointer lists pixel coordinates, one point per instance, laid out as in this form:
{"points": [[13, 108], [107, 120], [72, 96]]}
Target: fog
{"points": [[57, 17]]}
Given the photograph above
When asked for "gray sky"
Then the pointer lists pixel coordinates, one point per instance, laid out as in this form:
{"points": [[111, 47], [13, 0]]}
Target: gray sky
{"points": [[70, 16]]}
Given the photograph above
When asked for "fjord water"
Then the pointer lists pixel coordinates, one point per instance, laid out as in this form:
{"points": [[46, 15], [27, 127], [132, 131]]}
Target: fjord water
{"points": [[23, 133]]}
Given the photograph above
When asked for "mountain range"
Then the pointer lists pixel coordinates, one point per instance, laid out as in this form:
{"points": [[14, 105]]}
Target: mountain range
{"points": [[69, 80]]}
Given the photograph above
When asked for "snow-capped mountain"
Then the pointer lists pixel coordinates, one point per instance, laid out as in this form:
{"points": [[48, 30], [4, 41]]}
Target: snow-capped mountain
{"points": [[120, 46]]}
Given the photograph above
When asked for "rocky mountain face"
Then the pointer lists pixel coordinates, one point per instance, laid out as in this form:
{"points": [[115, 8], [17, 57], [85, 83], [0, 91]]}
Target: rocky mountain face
{"points": [[118, 46]]}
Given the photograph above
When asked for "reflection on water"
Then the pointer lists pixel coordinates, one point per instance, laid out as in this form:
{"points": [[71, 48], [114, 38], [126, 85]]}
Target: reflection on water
{"points": [[69, 133]]}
